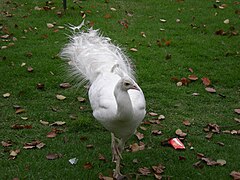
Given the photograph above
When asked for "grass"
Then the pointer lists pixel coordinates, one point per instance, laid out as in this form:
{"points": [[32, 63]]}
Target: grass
{"points": [[194, 44]]}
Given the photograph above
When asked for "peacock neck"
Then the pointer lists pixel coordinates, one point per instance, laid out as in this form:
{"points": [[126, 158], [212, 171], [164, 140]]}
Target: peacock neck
{"points": [[124, 105]]}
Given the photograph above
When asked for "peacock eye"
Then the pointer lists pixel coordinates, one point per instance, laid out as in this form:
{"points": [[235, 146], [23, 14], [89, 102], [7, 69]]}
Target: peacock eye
{"points": [[127, 84]]}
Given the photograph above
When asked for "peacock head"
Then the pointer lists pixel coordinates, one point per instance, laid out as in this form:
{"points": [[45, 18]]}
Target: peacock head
{"points": [[127, 83]]}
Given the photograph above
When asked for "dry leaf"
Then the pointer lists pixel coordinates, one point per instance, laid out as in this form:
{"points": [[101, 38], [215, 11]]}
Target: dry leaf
{"points": [[133, 50], [210, 90], [206, 81], [144, 171], [159, 169], [186, 122], [58, 123], [60, 97], [226, 21], [107, 16], [102, 158], [139, 135], [20, 110], [88, 165], [161, 117], [40, 86], [51, 134], [235, 175], [6, 95], [6, 144], [180, 133], [14, 153], [237, 110], [50, 25], [65, 85], [193, 77], [153, 114], [163, 20], [137, 147], [81, 99], [44, 122], [221, 162], [53, 156], [156, 132]]}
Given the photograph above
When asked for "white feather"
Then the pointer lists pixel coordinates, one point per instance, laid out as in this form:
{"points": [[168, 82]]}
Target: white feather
{"points": [[117, 101]]}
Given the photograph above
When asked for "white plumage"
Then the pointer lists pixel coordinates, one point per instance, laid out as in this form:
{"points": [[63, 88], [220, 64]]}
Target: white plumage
{"points": [[117, 101]]}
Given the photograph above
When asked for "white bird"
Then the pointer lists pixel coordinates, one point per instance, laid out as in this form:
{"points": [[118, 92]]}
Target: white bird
{"points": [[117, 101]]}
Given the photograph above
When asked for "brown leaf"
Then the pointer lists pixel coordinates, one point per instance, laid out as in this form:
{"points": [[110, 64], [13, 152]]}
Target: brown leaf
{"points": [[101, 157], [30, 69], [20, 126], [51, 134], [40, 145], [180, 133], [44, 122], [156, 132], [237, 110], [191, 70], [186, 122], [88, 165], [137, 147], [133, 50], [6, 143], [65, 85], [206, 81], [20, 110], [209, 135], [14, 153], [139, 135], [81, 99], [221, 162], [144, 171], [159, 169], [235, 175], [184, 81], [193, 77], [210, 90], [58, 123], [40, 86], [89, 146], [107, 16], [153, 114], [53, 156]]}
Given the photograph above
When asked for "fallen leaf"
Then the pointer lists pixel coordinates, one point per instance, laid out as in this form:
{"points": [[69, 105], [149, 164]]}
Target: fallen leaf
{"points": [[144, 171], [237, 110], [206, 81], [51, 134], [53, 156], [180, 133], [133, 50], [220, 143], [226, 21], [14, 153], [195, 94], [40, 86], [81, 99], [101, 157], [159, 169], [50, 25], [60, 97], [235, 175], [163, 20], [137, 147], [113, 9], [209, 135], [186, 122], [20, 110], [221, 162], [21, 126], [89, 146], [153, 114], [210, 90], [40, 145], [6, 95], [139, 135], [107, 16], [161, 117], [184, 81], [156, 132], [88, 165], [65, 85], [58, 123], [44, 122], [193, 77], [30, 69], [6, 143]]}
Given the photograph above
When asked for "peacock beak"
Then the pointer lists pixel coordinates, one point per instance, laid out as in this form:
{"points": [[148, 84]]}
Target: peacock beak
{"points": [[135, 87]]}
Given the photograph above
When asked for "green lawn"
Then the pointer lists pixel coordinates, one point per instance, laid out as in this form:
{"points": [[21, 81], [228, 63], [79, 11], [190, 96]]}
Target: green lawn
{"points": [[171, 37]]}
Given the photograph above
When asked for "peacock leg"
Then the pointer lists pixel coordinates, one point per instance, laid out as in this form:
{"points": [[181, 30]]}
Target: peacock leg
{"points": [[114, 149]]}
